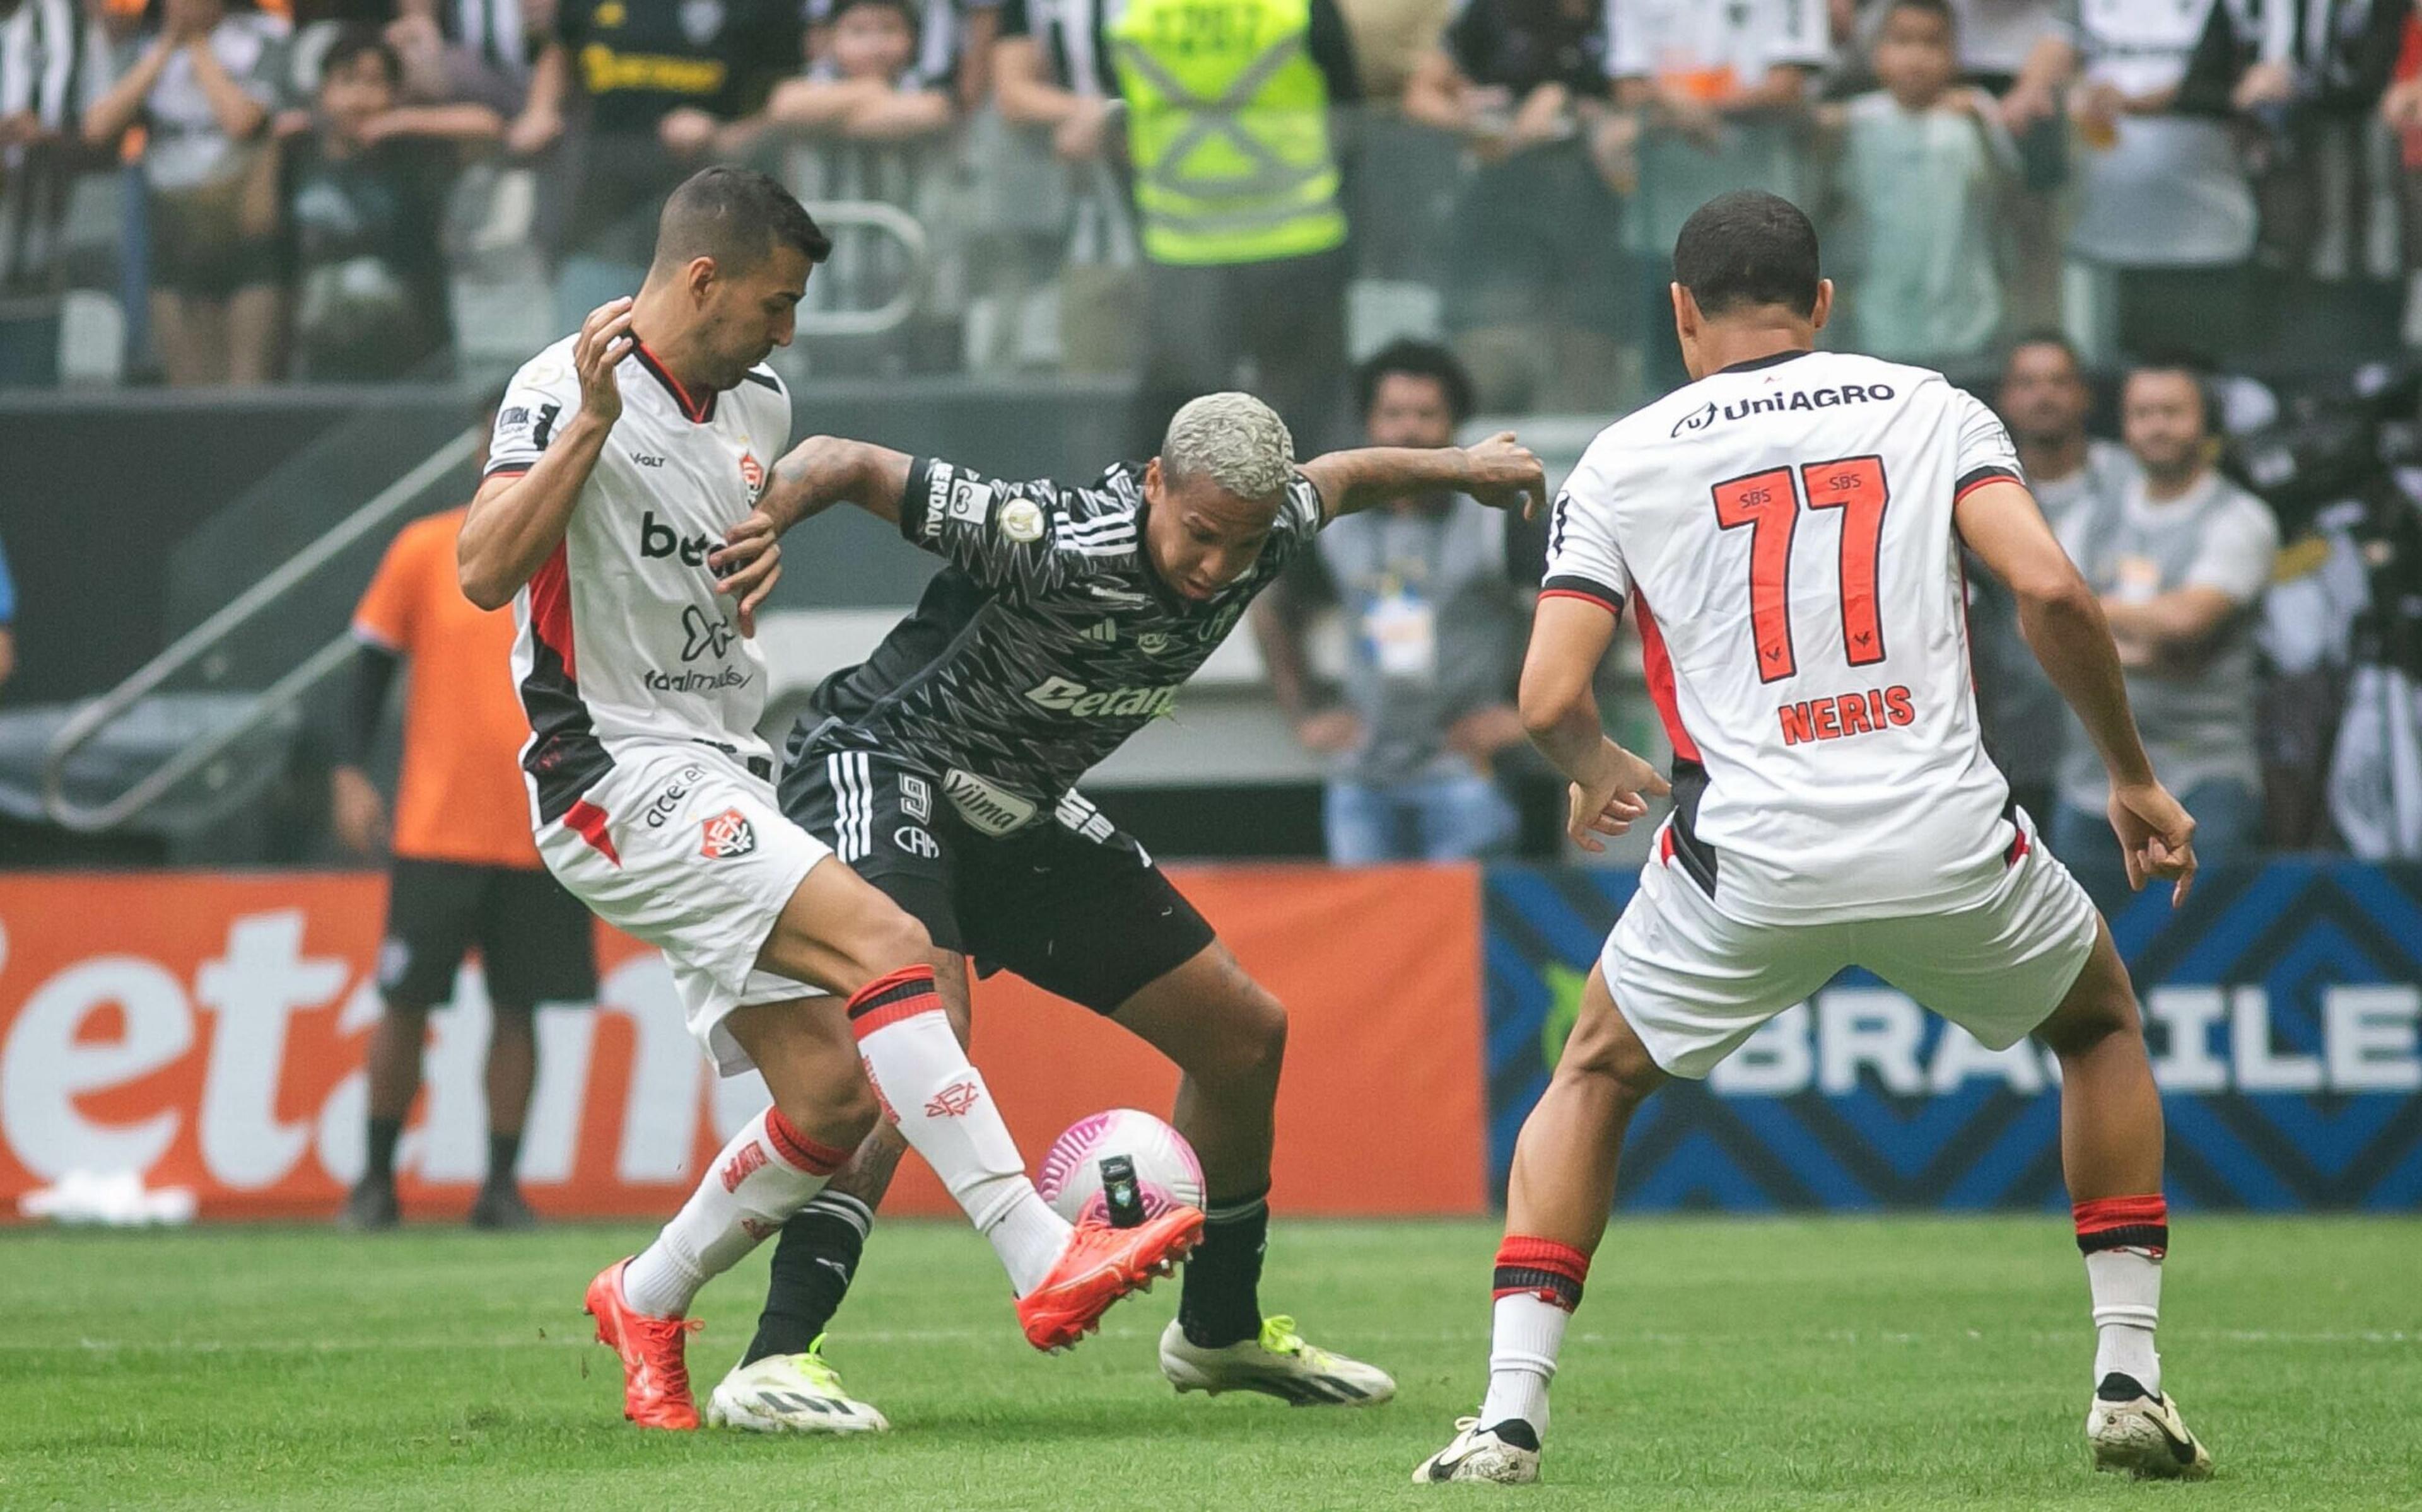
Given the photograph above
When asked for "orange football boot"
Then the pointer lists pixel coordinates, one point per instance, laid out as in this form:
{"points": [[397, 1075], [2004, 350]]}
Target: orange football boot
{"points": [[656, 1374], [1100, 1266]]}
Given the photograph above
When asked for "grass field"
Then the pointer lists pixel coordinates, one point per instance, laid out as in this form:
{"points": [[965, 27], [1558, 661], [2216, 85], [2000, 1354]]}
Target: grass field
{"points": [[1823, 1364]]}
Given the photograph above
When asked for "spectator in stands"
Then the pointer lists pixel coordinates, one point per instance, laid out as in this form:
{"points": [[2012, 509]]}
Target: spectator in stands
{"points": [[1392, 38], [364, 196], [1721, 88], [464, 872], [1437, 625], [489, 68], [53, 62], [1232, 107], [1051, 69], [2044, 400], [2163, 204], [1999, 41], [2180, 558], [869, 84], [205, 88], [1535, 282], [1919, 181], [643, 92]]}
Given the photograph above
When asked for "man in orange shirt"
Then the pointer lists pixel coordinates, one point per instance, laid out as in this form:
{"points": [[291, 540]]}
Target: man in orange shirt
{"points": [[465, 872]]}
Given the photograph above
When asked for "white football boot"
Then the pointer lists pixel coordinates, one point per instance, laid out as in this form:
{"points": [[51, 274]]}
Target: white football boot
{"points": [[1276, 1363], [790, 1393], [1507, 1454], [2139, 1433]]}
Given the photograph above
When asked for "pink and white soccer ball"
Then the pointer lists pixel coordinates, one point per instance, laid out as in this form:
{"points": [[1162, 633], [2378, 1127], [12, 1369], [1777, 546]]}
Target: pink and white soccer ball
{"points": [[1167, 1174]]}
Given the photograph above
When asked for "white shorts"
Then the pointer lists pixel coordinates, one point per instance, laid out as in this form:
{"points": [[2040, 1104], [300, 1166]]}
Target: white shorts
{"points": [[682, 846], [1694, 983]]}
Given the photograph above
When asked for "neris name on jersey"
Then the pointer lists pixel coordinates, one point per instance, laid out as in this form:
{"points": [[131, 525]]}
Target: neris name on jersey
{"points": [[1847, 715]]}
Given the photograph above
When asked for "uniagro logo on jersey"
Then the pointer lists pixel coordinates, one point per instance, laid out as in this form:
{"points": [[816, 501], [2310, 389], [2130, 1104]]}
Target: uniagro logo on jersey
{"points": [[728, 836]]}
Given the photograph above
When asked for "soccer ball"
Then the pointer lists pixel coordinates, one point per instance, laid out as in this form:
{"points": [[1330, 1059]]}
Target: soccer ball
{"points": [[1099, 1158]]}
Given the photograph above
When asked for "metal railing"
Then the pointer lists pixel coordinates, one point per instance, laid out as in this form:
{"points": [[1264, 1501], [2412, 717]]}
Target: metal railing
{"points": [[89, 721], [888, 220]]}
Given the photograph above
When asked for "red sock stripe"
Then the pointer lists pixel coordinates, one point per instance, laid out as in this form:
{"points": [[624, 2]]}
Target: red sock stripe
{"points": [[888, 1000], [797, 1148], [2120, 1212], [2123, 1224], [1542, 1268]]}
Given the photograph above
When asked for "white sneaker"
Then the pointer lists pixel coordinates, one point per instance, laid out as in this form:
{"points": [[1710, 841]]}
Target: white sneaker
{"points": [[1278, 1362], [790, 1393], [1507, 1454], [2139, 1433]]}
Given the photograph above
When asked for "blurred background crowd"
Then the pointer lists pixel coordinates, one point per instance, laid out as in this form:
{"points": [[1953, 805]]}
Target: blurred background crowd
{"points": [[2176, 242]]}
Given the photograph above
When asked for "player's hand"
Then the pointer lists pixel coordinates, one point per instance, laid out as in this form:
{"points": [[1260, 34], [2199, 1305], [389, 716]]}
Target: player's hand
{"points": [[2156, 837], [1330, 732], [356, 812], [604, 340], [747, 565], [1503, 474], [1610, 795]]}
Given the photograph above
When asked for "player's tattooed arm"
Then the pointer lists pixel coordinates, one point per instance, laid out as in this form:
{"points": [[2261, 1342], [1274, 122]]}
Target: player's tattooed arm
{"points": [[1500, 471], [1611, 787], [823, 470], [518, 519]]}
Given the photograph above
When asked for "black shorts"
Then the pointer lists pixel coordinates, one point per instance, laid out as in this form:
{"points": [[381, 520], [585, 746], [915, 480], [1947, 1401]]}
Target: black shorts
{"points": [[1070, 902], [536, 941]]}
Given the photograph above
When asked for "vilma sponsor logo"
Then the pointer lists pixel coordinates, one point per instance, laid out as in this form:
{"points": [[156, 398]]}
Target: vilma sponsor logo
{"points": [[990, 808], [728, 836]]}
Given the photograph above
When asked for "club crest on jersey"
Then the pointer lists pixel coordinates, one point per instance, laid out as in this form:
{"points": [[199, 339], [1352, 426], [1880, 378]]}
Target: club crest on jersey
{"points": [[752, 473], [701, 20], [1021, 521], [728, 836], [1153, 642]]}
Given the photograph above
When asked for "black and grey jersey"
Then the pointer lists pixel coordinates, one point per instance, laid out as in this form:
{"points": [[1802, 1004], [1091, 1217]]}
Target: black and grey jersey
{"points": [[1046, 641]]}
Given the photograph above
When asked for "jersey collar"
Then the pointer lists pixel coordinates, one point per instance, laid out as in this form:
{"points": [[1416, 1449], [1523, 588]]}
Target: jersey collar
{"points": [[695, 412], [1772, 359]]}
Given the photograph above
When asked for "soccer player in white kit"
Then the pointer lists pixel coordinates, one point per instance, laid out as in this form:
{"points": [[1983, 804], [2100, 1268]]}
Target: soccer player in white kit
{"points": [[621, 457], [1786, 530]]}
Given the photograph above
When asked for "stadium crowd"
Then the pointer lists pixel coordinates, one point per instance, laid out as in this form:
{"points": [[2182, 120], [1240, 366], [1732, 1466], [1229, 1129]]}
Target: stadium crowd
{"points": [[240, 190]]}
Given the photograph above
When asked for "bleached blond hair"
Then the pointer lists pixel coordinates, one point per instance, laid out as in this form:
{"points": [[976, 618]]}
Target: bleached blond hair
{"points": [[1235, 441]]}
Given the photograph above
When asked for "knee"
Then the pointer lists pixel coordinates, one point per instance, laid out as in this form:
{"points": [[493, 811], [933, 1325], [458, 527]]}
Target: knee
{"points": [[1608, 1064], [1252, 1046], [890, 941]]}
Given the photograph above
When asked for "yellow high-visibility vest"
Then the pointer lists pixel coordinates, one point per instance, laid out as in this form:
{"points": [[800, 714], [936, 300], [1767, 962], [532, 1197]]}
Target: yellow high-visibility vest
{"points": [[1228, 128]]}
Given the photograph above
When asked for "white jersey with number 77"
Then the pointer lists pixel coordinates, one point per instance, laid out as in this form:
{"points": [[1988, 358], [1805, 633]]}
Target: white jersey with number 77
{"points": [[1783, 533]]}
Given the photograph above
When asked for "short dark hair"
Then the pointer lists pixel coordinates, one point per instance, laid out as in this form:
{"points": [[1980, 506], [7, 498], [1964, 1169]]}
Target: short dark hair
{"points": [[1415, 359], [2193, 369], [1745, 249], [737, 216], [1941, 9], [907, 11], [356, 39]]}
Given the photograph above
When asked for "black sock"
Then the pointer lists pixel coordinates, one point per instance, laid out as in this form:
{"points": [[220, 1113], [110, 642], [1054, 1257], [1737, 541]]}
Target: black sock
{"points": [[1222, 1302], [380, 1166], [504, 1155], [812, 1266]]}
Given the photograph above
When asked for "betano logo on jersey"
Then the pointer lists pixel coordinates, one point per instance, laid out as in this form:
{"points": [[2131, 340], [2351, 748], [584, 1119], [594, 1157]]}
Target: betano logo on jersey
{"points": [[1812, 398], [1060, 695]]}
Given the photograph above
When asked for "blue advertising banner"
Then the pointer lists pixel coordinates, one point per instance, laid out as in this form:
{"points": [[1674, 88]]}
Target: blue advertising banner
{"points": [[2282, 1007]]}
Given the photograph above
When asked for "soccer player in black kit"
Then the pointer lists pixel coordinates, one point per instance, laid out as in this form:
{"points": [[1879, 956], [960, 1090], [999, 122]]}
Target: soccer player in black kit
{"points": [[942, 771]]}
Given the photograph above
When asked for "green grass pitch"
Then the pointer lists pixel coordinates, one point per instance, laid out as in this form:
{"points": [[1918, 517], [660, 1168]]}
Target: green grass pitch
{"points": [[1830, 1363]]}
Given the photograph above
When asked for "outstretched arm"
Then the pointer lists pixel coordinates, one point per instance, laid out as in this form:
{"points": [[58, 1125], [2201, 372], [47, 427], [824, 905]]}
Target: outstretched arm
{"points": [[2063, 626], [1500, 473]]}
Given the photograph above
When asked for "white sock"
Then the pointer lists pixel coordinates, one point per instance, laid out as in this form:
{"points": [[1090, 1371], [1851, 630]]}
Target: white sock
{"points": [[2127, 1286], [1522, 1351], [768, 1171], [944, 1111]]}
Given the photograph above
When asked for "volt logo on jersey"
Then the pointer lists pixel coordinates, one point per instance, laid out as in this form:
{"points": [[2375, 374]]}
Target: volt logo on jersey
{"points": [[728, 836]]}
